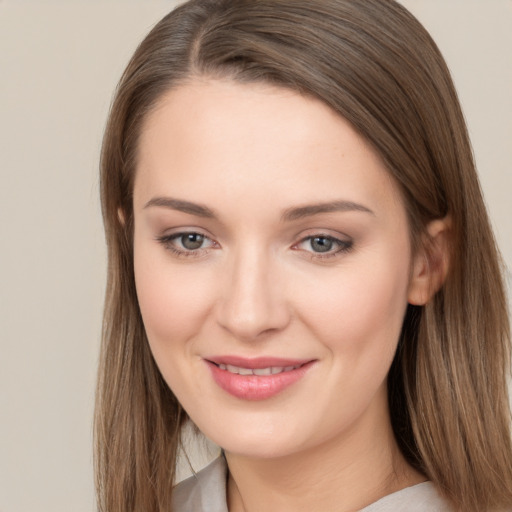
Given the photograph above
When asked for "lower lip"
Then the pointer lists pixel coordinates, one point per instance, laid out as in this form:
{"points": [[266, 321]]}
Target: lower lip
{"points": [[256, 387]]}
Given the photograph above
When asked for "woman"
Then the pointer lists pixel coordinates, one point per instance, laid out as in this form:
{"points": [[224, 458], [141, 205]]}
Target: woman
{"points": [[301, 263]]}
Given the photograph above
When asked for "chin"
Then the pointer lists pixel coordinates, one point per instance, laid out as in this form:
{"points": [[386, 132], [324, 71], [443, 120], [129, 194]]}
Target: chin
{"points": [[256, 438]]}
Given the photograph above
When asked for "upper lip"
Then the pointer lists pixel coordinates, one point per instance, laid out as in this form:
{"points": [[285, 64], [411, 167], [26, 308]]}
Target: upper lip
{"points": [[257, 362]]}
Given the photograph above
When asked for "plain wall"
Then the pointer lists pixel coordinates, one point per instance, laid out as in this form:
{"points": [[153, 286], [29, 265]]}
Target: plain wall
{"points": [[59, 63]]}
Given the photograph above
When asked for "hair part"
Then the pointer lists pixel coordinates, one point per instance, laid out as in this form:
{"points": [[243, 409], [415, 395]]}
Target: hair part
{"points": [[374, 64]]}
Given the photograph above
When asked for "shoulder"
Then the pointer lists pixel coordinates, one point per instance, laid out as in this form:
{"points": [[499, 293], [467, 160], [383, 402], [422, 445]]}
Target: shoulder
{"points": [[203, 492], [418, 498]]}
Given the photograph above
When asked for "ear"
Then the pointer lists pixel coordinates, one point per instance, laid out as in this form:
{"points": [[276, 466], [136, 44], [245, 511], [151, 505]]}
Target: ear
{"points": [[431, 262]]}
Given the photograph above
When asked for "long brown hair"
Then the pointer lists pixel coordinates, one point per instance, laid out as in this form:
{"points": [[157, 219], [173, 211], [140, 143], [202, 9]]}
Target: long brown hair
{"points": [[373, 63]]}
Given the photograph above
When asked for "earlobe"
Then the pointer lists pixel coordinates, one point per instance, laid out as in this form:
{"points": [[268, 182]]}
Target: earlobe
{"points": [[431, 263]]}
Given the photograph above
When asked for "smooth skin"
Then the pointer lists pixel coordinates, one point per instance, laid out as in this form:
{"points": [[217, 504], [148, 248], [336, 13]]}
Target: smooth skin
{"points": [[266, 226]]}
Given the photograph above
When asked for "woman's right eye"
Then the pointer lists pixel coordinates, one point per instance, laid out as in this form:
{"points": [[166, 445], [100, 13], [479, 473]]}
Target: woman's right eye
{"points": [[187, 243], [191, 241]]}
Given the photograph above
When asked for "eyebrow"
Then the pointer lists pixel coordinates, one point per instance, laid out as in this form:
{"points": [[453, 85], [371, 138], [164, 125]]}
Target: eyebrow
{"points": [[196, 209], [315, 209], [288, 215]]}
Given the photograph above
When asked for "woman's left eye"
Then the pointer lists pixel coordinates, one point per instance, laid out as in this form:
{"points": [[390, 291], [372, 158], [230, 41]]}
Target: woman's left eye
{"points": [[187, 243], [324, 246]]}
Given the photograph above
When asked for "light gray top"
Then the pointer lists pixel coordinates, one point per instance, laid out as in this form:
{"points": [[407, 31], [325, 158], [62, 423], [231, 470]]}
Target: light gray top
{"points": [[206, 492]]}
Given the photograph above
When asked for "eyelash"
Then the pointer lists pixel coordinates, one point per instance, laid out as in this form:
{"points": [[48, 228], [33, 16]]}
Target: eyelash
{"points": [[344, 246]]}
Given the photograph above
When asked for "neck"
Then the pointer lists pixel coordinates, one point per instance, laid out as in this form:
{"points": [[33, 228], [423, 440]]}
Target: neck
{"points": [[344, 474]]}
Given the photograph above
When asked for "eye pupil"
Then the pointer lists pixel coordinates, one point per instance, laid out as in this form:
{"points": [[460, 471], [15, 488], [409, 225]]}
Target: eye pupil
{"points": [[192, 241], [321, 244]]}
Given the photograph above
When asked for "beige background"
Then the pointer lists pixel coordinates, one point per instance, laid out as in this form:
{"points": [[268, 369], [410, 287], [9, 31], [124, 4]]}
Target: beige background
{"points": [[59, 63]]}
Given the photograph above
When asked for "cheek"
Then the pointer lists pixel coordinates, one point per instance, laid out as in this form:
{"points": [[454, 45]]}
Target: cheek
{"points": [[174, 304], [358, 318], [173, 299], [360, 309]]}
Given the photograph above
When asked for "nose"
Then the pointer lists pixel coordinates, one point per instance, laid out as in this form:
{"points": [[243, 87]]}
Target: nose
{"points": [[253, 303]]}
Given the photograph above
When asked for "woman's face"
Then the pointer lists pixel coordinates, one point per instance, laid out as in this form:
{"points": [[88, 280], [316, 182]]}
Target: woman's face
{"points": [[272, 264]]}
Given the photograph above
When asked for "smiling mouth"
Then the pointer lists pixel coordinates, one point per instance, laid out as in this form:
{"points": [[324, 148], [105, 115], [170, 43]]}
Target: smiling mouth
{"points": [[257, 379], [270, 370]]}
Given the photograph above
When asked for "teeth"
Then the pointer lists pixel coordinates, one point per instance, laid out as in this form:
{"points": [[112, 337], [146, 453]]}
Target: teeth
{"points": [[262, 371], [271, 370]]}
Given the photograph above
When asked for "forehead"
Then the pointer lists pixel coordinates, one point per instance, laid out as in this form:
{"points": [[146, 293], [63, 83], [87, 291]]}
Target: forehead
{"points": [[233, 140]]}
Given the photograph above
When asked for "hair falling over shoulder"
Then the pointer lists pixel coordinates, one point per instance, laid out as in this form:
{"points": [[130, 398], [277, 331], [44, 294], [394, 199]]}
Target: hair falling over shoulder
{"points": [[376, 66]]}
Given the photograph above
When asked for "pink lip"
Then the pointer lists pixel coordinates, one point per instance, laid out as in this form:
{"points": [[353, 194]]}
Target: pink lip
{"points": [[256, 387]]}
